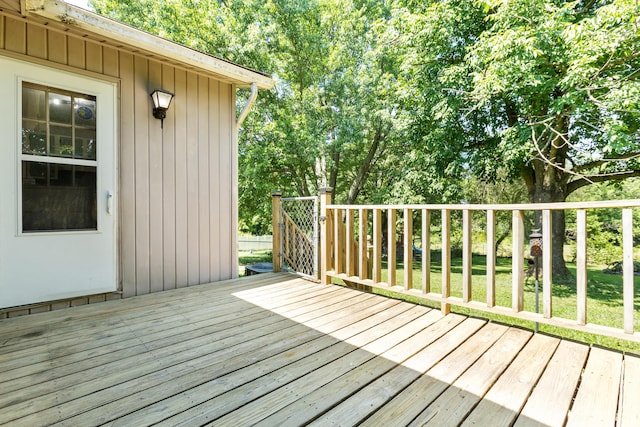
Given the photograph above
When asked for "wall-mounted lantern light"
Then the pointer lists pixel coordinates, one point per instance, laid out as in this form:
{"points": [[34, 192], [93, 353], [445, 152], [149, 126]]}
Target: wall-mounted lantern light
{"points": [[161, 101]]}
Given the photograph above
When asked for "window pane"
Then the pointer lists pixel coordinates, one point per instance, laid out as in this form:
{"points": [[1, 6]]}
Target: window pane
{"points": [[60, 108], [85, 144], [34, 137], [85, 112], [60, 142], [58, 197], [33, 106]]}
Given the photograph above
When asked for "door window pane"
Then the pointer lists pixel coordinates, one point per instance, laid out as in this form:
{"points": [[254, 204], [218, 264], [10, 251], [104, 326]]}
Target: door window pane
{"points": [[34, 137], [33, 104], [57, 197], [57, 123], [60, 108]]}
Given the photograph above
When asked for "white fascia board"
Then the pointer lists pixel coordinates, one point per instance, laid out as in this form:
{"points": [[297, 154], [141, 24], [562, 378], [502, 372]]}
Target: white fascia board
{"points": [[90, 22]]}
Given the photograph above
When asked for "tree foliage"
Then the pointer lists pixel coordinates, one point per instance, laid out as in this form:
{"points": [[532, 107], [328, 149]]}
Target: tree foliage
{"points": [[406, 101]]}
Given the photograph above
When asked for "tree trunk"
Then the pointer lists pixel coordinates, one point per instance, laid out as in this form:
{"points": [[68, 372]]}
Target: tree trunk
{"points": [[548, 184]]}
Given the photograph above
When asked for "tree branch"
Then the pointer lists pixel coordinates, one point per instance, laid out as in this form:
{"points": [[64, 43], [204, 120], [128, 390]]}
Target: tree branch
{"points": [[592, 179]]}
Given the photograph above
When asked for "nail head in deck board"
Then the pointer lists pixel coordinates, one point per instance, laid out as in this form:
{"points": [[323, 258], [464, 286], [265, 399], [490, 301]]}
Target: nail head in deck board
{"points": [[597, 398]]}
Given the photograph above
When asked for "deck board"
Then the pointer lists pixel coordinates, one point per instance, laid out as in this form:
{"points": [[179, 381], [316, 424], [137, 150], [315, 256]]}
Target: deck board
{"points": [[275, 349]]}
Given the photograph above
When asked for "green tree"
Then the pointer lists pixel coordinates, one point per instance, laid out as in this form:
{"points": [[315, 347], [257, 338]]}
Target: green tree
{"points": [[547, 89]]}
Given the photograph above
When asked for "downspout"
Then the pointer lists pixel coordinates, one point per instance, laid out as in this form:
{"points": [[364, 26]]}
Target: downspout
{"points": [[250, 102]]}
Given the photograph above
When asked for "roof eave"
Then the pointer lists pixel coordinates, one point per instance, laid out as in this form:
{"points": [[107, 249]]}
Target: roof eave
{"points": [[90, 22]]}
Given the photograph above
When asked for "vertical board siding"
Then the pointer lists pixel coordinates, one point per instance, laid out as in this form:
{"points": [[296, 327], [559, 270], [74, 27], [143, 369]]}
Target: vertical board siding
{"points": [[193, 259], [15, 36], [36, 42], [176, 197], [93, 53], [169, 187], [181, 188], [203, 178], [127, 185], [141, 116], [227, 201], [156, 212], [215, 243], [57, 47]]}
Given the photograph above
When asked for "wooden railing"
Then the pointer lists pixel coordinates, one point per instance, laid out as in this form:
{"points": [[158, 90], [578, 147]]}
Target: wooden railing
{"points": [[340, 258]]}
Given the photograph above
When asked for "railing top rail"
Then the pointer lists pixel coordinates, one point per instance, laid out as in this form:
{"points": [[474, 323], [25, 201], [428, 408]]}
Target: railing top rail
{"points": [[631, 203], [293, 199]]}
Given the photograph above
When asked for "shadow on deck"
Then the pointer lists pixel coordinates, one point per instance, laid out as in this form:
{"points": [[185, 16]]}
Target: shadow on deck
{"points": [[277, 350]]}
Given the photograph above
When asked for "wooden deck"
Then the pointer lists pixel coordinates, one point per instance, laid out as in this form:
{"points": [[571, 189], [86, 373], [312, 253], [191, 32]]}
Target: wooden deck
{"points": [[276, 350]]}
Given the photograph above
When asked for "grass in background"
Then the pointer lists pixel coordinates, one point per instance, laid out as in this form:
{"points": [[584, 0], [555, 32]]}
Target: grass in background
{"points": [[251, 257], [604, 297]]}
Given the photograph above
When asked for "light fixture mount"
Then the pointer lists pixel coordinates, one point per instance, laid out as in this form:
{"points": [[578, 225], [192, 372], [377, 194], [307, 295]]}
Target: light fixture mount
{"points": [[161, 102]]}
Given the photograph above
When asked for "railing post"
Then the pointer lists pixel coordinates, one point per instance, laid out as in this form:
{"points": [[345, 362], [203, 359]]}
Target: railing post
{"points": [[467, 256], [363, 259], [581, 266], [325, 247], [408, 249], [547, 262], [391, 247], [276, 248], [491, 258], [426, 251], [627, 270], [446, 260], [517, 262]]}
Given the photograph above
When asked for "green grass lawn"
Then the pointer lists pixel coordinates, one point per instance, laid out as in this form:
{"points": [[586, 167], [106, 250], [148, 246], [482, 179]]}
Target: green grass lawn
{"points": [[251, 257], [604, 297]]}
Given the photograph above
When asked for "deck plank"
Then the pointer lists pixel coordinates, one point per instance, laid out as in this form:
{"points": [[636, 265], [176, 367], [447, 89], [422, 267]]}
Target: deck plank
{"points": [[164, 362], [631, 392], [452, 406], [597, 398], [313, 353], [278, 350], [407, 405], [256, 400], [504, 401], [340, 402]]}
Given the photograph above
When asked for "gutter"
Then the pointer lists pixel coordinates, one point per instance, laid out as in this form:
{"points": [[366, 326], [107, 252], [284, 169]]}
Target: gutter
{"points": [[247, 107]]}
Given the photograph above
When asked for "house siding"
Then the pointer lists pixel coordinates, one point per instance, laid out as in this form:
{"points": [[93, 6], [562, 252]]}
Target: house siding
{"points": [[177, 202]]}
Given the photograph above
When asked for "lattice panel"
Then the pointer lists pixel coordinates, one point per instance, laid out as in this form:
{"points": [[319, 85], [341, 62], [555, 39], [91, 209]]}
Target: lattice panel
{"points": [[299, 235]]}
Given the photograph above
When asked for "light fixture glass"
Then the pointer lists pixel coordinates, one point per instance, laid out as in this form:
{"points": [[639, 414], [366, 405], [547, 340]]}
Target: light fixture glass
{"points": [[161, 102]]}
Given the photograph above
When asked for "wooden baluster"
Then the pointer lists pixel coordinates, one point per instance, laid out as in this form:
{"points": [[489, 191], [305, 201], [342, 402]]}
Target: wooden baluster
{"points": [[325, 250], [426, 251], [467, 260], [408, 249], [338, 240], [377, 246], [581, 266], [547, 257], [276, 220], [391, 247], [446, 260], [362, 245], [349, 255], [627, 267], [517, 261], [491, 258]]}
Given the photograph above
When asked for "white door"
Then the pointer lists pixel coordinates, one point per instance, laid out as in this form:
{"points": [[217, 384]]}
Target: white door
{"points": [[57, 184]]}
